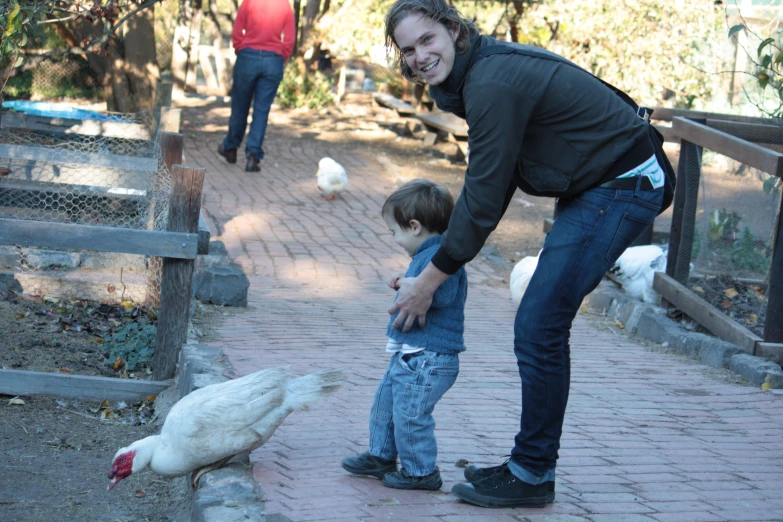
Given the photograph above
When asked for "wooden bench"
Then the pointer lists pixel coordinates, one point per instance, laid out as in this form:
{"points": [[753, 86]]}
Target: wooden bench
{"points": [[404, 109]]}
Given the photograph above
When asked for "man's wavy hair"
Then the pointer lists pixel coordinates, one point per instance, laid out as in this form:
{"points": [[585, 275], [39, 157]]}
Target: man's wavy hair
{"points": [[439, 11]]}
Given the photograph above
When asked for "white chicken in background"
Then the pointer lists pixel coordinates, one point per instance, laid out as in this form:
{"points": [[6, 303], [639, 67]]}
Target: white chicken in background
{"points": [[635, 270], [332, 179], [520, 276], [206, 428]]}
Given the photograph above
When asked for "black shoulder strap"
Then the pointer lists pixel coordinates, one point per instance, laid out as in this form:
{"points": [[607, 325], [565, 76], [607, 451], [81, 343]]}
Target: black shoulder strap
{"points": [[643, 112]]}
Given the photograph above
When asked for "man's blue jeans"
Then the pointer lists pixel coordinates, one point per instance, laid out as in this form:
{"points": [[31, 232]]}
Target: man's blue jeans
{"points": [[257, 75], [401, 420], [588, 235]]}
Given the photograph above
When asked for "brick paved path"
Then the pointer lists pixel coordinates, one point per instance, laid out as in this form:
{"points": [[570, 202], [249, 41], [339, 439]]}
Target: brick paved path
{"points": [[648, 436]]}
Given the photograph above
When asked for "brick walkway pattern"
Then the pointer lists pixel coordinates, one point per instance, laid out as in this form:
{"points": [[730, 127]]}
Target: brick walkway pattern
{"points": [[648, 437]]}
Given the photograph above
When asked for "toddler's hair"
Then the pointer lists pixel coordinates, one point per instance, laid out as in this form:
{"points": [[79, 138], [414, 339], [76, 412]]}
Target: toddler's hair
{"points": [[428, 203]]}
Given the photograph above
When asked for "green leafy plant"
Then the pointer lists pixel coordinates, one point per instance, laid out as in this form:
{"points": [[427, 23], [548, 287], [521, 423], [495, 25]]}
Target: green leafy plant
{"points": [[744, 255], [134, 343], [313, 90]]}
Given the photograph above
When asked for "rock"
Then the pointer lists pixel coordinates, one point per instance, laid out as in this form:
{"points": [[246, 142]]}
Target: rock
{"points": [[221, 285]]}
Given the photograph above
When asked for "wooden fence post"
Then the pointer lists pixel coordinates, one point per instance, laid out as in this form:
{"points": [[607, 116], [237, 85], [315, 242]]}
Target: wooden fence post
{"points": [[684, 212], [169, 119], [177, 280], [162, 99], [773, 326], [172, 147]]}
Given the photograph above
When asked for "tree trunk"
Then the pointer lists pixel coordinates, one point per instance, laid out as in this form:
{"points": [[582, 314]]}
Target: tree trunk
{"points": [[193, 42], [141, 58], [180, 58]]}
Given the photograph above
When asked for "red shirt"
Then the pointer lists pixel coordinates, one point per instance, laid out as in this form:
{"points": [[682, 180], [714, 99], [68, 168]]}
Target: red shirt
{"points": [[265, 25]]}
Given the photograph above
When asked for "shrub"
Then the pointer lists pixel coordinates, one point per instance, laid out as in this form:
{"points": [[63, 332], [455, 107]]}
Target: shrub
{"points": [[313, 90]]}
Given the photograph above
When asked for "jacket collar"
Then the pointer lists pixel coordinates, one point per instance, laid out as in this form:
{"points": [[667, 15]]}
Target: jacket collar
{"points": [[448, 95]]}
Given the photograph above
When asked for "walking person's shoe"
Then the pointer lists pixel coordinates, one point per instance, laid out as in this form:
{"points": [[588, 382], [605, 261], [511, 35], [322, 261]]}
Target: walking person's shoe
{"points": [[401, 480], [252, 163], [366, 464], [230, 154], [503, 489]]}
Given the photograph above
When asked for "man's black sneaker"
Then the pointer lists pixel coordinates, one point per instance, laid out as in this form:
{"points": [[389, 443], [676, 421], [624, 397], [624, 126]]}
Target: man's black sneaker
{"points": [[401, 480], [474, 473], [366, 464], [503, 489]]}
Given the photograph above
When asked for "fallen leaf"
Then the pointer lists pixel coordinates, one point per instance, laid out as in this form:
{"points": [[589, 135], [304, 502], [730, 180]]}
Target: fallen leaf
{"points": [[766, 386], [65, 370], [22, 315], [618, 324], [151, 398], [140, 494], [50, 299], [99, 341], [751, 319], [731, 293], [16, 401], [118, 364], [107, 414], [726, 304], [104, 404], [462, 463], [127, 305], [698, 289]]}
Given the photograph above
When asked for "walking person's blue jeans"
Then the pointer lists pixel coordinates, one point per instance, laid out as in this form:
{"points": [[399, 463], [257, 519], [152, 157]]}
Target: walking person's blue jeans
{"points": [[257, 75], [588, 235], [401, 420]]}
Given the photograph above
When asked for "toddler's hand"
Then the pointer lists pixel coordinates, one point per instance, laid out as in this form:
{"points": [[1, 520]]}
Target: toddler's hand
{"points": [[394, 281]]}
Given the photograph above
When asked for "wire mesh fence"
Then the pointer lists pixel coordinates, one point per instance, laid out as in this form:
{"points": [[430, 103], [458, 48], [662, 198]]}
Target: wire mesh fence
{"points": [[84, 180]]}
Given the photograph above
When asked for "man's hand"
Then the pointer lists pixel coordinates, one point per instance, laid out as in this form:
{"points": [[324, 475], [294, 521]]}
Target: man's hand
{"points": [[394, 281], [415, 297]]}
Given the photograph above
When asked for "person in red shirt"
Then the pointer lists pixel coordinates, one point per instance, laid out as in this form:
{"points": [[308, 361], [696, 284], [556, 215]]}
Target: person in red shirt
{"points": [[263, 39]]}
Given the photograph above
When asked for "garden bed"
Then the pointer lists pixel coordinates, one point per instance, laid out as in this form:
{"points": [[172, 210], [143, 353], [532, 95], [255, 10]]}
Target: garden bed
{"points": [[742, 300]]}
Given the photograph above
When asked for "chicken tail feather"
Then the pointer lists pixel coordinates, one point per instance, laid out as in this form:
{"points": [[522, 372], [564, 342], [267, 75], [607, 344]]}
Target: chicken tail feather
{"points": [[303, 390]]}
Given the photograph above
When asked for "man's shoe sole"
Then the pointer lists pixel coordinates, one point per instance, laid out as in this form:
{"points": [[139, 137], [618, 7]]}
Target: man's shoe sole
{"points": [[470, 495]]}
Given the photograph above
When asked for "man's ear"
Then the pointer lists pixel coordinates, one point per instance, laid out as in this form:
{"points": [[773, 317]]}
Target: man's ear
{"points": [[415, 226]]}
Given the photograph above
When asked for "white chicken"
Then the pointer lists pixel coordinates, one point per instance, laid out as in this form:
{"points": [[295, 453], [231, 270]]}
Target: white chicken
{"points": [[635, 270], [332, 179], [206, 428], [520, 276]]}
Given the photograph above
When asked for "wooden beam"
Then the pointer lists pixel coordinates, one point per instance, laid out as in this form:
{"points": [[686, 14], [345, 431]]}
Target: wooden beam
{"points": [[170, 119], [750, 154], [70, 236], [177, 277], [751, 132], [668, 114], [772, 351], [684, 211], [72, 157], [20, 382], [704, 313]]}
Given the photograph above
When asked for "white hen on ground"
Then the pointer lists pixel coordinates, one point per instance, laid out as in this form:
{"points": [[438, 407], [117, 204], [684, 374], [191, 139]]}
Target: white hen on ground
{"points": [[635, 270], [206, 428], [332, 179], [520, 276]]}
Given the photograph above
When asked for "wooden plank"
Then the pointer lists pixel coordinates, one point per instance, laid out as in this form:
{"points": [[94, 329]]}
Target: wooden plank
{"points": [[389, 101], [750, 154], [72, 157], [21, 382], [203, 235], [684, 211], [177, 277], [772, 351], [668, 133], [170, 119], [668, 114], [704, 313], [70, 236], [445, 122], [67, 126]]}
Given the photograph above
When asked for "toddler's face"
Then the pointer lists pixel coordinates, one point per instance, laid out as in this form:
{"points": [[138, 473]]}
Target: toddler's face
{"points": [[407, 238]]}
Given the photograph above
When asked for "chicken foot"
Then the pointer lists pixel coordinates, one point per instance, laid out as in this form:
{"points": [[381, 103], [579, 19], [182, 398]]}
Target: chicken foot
{"points": [[196, 476]]}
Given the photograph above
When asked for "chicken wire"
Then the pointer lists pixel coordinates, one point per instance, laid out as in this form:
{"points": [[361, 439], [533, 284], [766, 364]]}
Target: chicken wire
{"points": [[733, 238], [86, 180]]}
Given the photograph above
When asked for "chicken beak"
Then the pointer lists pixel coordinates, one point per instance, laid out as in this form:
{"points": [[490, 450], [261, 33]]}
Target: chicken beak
{"points": [[113, 483], [113, 471]]}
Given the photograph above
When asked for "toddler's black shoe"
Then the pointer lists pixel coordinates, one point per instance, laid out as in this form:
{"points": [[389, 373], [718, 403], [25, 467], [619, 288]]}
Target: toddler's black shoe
{"points": [[366, 464], [503, 489], [401, 480]]}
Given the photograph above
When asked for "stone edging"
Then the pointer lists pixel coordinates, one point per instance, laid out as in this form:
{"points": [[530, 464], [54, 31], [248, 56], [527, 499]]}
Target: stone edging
{"points": [[651, 323], [228, 494]]}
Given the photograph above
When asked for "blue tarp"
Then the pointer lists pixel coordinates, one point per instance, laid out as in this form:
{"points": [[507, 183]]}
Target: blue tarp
{"points": [[58, 110]]}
